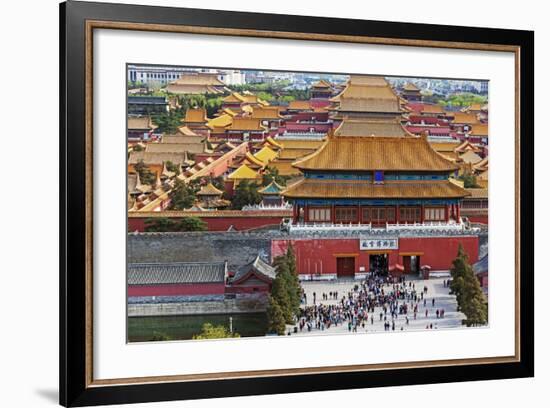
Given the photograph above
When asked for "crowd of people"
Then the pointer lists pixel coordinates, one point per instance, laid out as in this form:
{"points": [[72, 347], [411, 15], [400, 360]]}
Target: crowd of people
{"points": [[375, 299]]}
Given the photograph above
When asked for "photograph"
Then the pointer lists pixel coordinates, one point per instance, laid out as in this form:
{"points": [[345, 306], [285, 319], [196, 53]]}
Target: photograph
{"points": [[264, 203]]}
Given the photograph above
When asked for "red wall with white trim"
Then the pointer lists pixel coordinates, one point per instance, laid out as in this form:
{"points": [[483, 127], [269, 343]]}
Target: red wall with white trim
{"points": [[318, 256]]}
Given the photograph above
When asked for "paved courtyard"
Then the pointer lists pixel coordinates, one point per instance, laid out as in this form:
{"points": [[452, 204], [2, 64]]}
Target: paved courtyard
{"points": [[436, 291]]}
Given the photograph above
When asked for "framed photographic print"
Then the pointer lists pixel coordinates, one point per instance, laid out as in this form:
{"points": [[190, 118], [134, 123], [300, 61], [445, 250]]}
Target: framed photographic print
{"points": [[256, 204]]}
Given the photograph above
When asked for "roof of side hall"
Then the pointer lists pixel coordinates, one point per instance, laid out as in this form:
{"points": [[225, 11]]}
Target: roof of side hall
{"points": [[176, 272]]}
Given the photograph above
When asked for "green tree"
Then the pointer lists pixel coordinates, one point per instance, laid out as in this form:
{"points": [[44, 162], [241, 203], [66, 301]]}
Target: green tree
{"points": [[295, 289], [165, 224], [275, 317], [266, 96], [458, 271], [280, 293], [192, 224], [158, 336], [182, 196], [161, 224], [285, 266], [286, 98], [469, 295], [213, 105], [469, 179], [138, 148], [474, 304], [217, 182], [209, 331], [246, 193], [146, 176], [191, 101], [463, 99], [272, 173], [168, 122], [172, 167]]}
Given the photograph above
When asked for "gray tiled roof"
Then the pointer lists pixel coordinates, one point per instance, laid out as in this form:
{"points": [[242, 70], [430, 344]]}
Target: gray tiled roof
{"points": [[482, 265], [176, 272], [259, 266]]}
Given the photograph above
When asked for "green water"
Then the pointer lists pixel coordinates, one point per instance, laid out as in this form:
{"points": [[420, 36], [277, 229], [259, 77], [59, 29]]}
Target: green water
{"points": [[184, 327]]}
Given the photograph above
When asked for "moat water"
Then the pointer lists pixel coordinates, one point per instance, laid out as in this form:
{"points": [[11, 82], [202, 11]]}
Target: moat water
{"points": [[142, 329]]}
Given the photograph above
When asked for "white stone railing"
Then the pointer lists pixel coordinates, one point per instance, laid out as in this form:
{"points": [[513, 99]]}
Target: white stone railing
{"points": [[264, 207], [428, 227], [301, 135]]}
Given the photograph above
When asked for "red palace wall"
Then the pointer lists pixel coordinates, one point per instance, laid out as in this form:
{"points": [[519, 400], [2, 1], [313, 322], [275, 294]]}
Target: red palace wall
{"points": [[221, 223], [318, 256], [177, 289], [479, 219]]}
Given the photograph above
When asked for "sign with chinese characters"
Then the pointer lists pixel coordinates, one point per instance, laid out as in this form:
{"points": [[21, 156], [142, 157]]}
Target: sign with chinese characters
{"points": [[378, 244]]}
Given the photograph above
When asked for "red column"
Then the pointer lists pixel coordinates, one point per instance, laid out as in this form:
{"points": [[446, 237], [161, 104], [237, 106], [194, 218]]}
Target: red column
{"points": [[294, 213], [332, 214], [457, 212], [447, 213], [397, 214], [422, 213], [306, 215]]}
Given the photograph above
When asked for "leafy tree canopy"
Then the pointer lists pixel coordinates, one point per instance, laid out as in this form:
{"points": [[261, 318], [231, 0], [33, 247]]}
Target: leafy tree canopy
{"points": [[285, 289], [146, 176], [272, 173], [463, 100], [275, 317], [246, 193], [465, 285], [210, 331], [469, 179], [168, 122], [172, 167], [165, 224], [182, 196]]}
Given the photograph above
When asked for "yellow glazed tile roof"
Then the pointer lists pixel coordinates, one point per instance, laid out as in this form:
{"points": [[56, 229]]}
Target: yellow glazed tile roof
{"points": [[254, 160], [444, 146], [195, 115], [244, 173], [293, 154], [411, 87], [221, 121], [301, 144], [246, 124], [313, 188], [478, 192], [466, 118], [265, 154], [284, 167], [375, 153], [234, 97], [321, 84], [429, 108], [266, 112], [299, 105], [470, 157], [481, 129], [209, 189], [199, 79], [371, 127], [269, 140]]}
